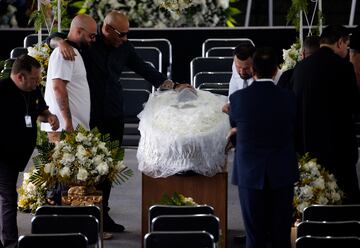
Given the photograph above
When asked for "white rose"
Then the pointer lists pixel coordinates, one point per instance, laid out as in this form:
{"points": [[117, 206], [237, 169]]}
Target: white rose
{"points": [[102, 168], [82, 174], [322, 200], [319, 183], [306, 192], [335, 196], [65, 172], [98, 159], [30, 187], [302, 206]]}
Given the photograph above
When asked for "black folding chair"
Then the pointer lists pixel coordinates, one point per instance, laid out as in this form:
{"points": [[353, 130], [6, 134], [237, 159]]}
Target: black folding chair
{"points": [[163, 45], [179, 239], [324, 228], [17, 51], [211, 77], [196, 222], [136, 83], [151, 54], [134, 100], [332, 213], [224, 42], [317, 242], [85, 224], [158, 210], [210, 64], [220, 52], [32, 39], [56, 240]]}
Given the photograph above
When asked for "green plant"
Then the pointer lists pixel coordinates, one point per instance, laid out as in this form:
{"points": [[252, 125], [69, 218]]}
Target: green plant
{"points": [[177, 200]]}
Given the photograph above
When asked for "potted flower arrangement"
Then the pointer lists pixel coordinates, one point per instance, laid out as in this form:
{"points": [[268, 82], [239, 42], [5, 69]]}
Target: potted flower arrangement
{"points": [[82, 158], [316, 186]]}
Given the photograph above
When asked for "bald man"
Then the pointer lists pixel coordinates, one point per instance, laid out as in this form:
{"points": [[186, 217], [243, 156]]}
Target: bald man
{"points": [[105, 60], [67, 91]]}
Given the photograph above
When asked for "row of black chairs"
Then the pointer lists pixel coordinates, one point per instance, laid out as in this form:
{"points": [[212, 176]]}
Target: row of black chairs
{"points": [[329, 225], [212, 71], [182, 226], [65, 226]]}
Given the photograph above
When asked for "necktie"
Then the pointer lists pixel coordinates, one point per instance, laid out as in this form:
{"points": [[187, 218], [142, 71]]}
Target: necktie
{"points": [[245, 83]]}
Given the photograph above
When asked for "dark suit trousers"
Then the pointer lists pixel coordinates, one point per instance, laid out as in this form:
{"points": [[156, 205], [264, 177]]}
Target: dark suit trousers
{"points": [[114, 127], [8, 198], [267, 216]]}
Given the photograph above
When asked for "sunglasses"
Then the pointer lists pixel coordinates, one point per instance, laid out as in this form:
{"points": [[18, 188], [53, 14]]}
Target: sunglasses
{"points": [[120, 34]]}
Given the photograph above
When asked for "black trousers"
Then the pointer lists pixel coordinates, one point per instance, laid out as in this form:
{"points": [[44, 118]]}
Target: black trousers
{"points": [[114, 127], [267, 214], [8, 206]]}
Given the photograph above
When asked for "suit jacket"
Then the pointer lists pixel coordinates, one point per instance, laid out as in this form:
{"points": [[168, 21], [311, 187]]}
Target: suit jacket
{"points": [[327, 97], [265, 117]]}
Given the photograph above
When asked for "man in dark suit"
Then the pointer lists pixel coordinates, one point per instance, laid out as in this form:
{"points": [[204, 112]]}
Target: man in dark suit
{"points": [[265, 167], [327, 97]]}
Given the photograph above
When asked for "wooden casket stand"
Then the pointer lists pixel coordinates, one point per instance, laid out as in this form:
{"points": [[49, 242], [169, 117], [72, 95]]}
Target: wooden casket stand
{"points": [[204, 190]]}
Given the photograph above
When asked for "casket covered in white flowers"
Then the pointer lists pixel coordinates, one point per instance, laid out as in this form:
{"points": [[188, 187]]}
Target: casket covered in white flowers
{"points": [[182, 132]]}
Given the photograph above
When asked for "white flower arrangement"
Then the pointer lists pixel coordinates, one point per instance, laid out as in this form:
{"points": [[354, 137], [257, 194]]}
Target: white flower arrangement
{"points": [[163, 13], [31, 196], [41, 52], [291, 56], [80, 158], [316, 186]]}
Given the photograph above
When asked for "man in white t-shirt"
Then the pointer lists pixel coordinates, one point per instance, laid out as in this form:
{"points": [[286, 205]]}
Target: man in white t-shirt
{"points": [[67, 90]]}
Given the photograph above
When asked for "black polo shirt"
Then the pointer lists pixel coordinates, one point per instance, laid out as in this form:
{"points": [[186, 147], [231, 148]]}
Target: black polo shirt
{"points": [[17, 141]]}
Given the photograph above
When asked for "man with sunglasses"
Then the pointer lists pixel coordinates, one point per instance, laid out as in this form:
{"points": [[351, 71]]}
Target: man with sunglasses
{"points": [[67, 90], [104, 61]]}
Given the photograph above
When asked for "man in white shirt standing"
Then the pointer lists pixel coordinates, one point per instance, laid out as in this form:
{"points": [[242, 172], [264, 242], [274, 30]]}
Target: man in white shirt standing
{"points": [[67, 90], [241, 70]]}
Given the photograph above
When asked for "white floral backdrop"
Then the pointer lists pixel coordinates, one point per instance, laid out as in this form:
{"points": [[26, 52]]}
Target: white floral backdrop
{"points": [[145, 13]]}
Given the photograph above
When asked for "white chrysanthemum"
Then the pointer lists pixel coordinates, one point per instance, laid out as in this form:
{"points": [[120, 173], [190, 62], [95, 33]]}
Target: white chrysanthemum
{"points": [[82, 174], [323, 200], [30, 188], [319, 183], [98, 159], [306, 192], [335, 196], [102, 168], [65, 172], [223, 4], [80, 137], [67, 159]]}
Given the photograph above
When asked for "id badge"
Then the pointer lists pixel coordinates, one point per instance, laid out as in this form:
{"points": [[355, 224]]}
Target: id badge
{"points": [[28, 121]]}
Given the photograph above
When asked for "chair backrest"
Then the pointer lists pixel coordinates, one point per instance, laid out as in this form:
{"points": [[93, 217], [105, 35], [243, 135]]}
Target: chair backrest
{"points": [[32, 39], [17, 51], [179, 239], [214, 86], [220, 52], [324, 228], [218, 91], [157, 210], [151, 54], [128, 73], [164, 46], [56, 240], [136, 83], [70, 210], [317, 242], [134, 100], [85, 224], [210, 64], [196, 222], [224, 42], [332, 213], [211, 77]]}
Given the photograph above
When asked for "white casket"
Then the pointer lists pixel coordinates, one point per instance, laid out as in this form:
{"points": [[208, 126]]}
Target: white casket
{"points": [[182, 132]]}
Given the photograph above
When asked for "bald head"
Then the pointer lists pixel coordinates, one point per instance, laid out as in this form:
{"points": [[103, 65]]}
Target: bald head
{"points": [[82, 30], [116, 18], [82, 21]]}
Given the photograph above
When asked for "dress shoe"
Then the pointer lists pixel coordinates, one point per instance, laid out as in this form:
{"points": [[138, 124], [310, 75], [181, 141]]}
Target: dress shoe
{"points": [[107, 236], [111, 226]]}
